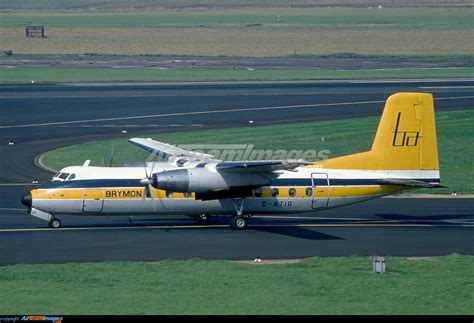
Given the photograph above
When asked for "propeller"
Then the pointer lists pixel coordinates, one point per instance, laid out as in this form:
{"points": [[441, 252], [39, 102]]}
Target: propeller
{"points": [[148, 181]]}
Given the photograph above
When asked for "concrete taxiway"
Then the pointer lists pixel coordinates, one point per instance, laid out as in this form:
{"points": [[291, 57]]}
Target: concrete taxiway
{"points": [[40, 118]]}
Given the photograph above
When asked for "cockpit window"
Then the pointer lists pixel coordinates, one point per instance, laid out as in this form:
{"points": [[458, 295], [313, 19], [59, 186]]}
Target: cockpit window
{"points": [[72, 176], [63, 175]]}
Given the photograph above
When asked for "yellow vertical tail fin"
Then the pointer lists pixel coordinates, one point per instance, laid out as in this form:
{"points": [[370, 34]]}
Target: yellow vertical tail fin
{"points": [[405, 138]]}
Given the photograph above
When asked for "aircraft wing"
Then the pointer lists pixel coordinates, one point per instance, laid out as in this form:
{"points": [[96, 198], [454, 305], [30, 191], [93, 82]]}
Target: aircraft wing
{"points": [[181, 156], [172, 153], [259, 166]]}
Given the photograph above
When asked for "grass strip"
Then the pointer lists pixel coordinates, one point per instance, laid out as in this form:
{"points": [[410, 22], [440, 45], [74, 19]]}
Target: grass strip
{"points": [[320, 285], [73, 75]]}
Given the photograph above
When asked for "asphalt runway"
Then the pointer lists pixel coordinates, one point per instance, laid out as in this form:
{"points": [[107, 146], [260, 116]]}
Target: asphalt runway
{"points": [[40, 118]]}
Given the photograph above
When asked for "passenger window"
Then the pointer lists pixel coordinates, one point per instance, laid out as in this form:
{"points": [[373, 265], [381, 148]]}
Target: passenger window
{"points": [[257, 192], [275, 192], [292, 192], [309, 191]]}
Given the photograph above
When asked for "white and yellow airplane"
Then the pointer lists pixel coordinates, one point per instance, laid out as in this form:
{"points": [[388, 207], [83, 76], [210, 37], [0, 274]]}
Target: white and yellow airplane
{"points": [[403, 156]]}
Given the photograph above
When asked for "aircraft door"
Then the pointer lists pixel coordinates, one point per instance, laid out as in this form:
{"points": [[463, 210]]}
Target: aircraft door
{"points": [[93, 201], [321, 190]]}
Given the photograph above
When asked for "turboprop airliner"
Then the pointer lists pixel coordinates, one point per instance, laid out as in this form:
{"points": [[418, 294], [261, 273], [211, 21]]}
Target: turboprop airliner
{"points": [[404, 155]]}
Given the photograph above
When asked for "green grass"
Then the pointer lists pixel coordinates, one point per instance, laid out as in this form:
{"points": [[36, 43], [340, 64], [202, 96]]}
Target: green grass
{"points": [[332, 285], [63, 75], [243, 32], [334, 18], [455, 131]]}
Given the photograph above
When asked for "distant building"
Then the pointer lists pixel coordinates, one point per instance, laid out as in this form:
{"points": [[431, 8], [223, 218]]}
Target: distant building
{"points": [[35, 31]]}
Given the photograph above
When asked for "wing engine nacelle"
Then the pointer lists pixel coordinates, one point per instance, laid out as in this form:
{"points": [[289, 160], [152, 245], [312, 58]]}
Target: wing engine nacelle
{"points": [[203, 180]]}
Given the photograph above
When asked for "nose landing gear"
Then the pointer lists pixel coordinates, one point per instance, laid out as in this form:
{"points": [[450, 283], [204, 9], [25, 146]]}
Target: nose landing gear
{"points": [[54, 223]]}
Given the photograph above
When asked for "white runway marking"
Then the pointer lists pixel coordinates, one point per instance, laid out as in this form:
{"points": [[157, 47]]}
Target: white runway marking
{"points": [[189, 113], [306, 218], [286, 107], [18, 184], [73, 96], [447, 87], [455, 97], [168, 227], [409, 81]]}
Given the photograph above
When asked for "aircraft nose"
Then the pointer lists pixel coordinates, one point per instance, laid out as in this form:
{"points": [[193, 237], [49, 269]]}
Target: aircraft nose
{"points": [[26, 200]]}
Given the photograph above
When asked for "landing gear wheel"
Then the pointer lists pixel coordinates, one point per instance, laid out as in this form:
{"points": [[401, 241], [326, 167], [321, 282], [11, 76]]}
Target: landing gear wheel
{"points": [[238, 222], [203, 218], [54, 223]]}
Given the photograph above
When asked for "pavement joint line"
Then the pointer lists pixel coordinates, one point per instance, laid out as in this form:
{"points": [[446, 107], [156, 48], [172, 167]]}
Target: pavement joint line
{"points": [[114, 228]]}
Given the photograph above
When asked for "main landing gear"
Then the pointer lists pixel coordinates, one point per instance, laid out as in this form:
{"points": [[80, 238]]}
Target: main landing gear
{"points": [[54, 223], [239, 221]]}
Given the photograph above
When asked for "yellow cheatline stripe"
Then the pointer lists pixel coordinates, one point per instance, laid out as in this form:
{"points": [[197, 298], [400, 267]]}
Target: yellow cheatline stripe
{"points": [[283, 192], [352, 191], [99, 193]]}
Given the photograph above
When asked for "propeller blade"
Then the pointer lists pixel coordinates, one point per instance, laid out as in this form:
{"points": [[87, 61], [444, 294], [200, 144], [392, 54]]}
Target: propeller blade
{"points": [[148, 180], [111, 155]]}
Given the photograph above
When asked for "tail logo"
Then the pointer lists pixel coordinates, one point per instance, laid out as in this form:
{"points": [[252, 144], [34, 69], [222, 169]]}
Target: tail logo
{"points": [[404, 138]]}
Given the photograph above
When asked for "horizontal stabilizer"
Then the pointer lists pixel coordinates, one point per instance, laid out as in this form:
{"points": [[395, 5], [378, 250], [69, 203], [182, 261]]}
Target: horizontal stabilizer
{"points": [[409, 182]]}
